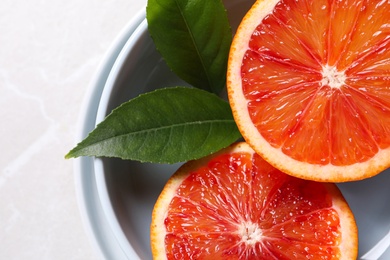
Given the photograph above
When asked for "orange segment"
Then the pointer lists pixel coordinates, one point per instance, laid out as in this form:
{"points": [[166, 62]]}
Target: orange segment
{"points": [[234, 205], [309, 86], [370, 33]]}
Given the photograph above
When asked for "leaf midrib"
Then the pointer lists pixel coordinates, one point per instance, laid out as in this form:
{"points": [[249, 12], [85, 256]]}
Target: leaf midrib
{"points": [[227, 121], [196, 46]]}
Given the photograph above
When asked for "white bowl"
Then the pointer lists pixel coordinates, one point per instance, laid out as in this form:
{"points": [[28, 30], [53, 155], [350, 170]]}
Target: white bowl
{"points": [[117, 197]]}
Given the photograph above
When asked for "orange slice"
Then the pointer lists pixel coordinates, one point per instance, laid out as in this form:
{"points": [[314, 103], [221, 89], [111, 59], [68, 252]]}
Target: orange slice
{"points": [[309, 86], [234, 205]]}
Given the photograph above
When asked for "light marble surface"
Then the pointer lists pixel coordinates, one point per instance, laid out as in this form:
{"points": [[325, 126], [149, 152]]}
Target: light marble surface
{"points": [[49, 52]]}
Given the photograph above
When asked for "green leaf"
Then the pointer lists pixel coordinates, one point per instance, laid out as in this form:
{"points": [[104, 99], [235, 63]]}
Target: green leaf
{"points": [[194, 38], [164, 126]]}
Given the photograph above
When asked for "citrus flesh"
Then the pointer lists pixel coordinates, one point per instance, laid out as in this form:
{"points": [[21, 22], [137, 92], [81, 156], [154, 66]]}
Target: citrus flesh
{"points": [[234, 205], [309, 85]]}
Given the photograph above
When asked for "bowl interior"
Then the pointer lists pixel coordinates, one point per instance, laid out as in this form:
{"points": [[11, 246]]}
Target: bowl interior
{"points": [[132, 188]]}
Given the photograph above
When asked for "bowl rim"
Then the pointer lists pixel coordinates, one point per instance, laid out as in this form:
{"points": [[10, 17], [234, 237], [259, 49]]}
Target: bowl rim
{"points": [[94, 219], [102, 112]]}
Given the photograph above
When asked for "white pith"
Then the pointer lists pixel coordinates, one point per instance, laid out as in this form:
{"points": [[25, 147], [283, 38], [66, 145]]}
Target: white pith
{"points": [[332, 77], [250, 233]]}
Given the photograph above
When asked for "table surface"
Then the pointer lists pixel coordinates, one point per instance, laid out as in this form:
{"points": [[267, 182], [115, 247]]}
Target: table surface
{"points": [[50, 51]]}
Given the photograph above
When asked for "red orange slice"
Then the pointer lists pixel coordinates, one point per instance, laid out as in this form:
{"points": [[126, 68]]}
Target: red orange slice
{"points": [[309, 86], [234, 205]]}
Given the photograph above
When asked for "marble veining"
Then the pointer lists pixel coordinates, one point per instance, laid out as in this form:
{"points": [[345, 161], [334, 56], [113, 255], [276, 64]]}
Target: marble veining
{"points": [[49, 53]]}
